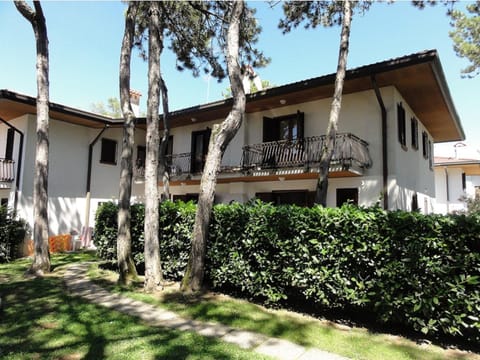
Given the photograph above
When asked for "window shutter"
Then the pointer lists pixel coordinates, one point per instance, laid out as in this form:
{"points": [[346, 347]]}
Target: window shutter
{"points": [[271, 129], [206, 141], [300, 124], [401, 124], [10, 141]]}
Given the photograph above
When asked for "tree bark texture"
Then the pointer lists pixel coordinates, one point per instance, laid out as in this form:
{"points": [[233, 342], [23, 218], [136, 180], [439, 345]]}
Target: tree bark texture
{"points": [[222, 134], [329, 146], [153, 269], [126, 265], [41, 255], [163, 169]]}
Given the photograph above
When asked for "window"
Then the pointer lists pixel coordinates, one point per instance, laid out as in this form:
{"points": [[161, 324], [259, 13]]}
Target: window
{"points": [[430, 155], [288, 127], [108, 154], [415, 202], [200, 141], [186, 197], [290, 197], [9, 146], [414, 132], [142, 153], [464, 181], [4, 202], [169, 150], [347, 195], [141, 156], [402, 127], [425, 144]]}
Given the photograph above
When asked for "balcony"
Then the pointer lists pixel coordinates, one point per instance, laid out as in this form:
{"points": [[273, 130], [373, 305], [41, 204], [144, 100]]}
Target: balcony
{"points": [[178, 164], [7, 170], [350, 155]]}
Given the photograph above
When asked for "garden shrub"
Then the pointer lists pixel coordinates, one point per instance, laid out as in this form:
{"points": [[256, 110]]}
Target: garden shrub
{"points": [[420, 271], [12, 234], [176, 223]]}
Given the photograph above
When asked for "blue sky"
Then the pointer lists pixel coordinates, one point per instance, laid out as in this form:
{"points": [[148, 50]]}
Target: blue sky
{"points": [[85, 40]]}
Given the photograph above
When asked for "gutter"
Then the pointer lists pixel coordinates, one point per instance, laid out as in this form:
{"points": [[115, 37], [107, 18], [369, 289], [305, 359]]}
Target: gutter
{"points": [[89, 177], [442, 81], [19, 161], [384, 143], [447, 186]]}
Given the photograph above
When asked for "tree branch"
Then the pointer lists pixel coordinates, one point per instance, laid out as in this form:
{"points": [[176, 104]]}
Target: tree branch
{"points": [[26, 10]]}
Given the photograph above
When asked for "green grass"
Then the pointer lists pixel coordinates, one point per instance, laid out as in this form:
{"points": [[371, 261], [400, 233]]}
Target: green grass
{"points": [[356, 343], [41, 321]]}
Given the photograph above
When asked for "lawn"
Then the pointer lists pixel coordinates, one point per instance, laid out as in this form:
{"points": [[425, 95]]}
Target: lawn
{"points": [[352, 342], [40, 320]]}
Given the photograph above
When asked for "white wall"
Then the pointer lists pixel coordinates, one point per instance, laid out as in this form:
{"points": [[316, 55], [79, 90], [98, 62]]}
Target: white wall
{"points": [[409, 171], [68, 163], [447, 203], [456, 192]]}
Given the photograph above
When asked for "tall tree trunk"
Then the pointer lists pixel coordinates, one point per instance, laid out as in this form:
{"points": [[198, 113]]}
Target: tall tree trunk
{"points": [[329, 146], [163, 169], [126, 266], [153, 269], [222, 134], [41, 256]]}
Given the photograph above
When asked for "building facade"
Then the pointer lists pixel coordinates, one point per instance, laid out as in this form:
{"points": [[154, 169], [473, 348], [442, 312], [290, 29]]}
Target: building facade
{"points": [[392, 113]]}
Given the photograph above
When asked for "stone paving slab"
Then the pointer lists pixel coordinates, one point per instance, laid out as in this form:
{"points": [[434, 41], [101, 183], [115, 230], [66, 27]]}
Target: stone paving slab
{"points": [[78, 284], [281, 349]]}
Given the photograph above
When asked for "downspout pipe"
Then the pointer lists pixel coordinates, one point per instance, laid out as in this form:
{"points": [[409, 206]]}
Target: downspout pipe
{"points": [[89, 176], [19, 161], [447, 187], [384, 143]]}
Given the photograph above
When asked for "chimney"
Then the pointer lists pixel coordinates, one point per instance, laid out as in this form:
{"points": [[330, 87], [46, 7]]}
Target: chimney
{"points": [[249, 77], [135, 101]]}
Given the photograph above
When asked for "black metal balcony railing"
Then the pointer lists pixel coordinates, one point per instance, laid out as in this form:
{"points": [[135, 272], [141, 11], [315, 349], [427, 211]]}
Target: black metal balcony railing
{"points": [[178, 164], [7, 170], [350, 151]]}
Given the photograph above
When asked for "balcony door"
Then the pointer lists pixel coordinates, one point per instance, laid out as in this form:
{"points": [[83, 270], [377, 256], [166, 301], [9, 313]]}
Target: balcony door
{"points": [[288, 127], [200, 141]]}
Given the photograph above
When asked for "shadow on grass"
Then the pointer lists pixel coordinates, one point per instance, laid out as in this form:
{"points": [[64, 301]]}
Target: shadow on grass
{"points": [[65, 258], [41, 321], [328, 335]]}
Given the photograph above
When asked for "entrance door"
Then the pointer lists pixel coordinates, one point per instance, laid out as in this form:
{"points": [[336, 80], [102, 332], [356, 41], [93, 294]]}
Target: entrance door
{"points": [[200, 141]]}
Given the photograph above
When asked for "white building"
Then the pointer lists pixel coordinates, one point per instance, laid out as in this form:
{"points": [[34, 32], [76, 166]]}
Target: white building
{"points": [[457, 176], [392, 113]]}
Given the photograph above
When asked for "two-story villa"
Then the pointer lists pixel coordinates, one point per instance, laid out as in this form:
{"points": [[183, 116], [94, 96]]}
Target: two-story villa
{"points": [[392, 113]]}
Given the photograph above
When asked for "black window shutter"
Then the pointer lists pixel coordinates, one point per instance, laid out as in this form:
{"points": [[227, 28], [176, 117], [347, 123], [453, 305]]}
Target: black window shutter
{"points": [[206, 140], [300, 124], [271, 129], [401, 124], [10, 141]]}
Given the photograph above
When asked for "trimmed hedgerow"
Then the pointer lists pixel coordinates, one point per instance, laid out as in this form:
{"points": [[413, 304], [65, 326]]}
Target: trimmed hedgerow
{"points": [[176, 222], [422, 271], [13, 231]]}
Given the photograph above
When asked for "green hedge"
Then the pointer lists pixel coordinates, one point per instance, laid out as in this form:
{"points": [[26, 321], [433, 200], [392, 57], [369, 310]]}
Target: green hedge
{"points": [[12, 233], [176, 223], [422, 271]]}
